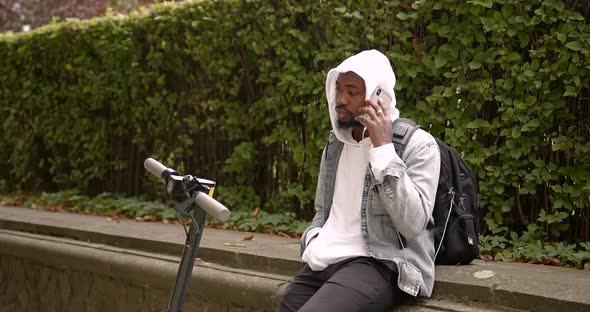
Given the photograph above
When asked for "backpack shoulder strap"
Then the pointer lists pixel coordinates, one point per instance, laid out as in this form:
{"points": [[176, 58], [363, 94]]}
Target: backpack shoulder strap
{"points": [[403, 129]]}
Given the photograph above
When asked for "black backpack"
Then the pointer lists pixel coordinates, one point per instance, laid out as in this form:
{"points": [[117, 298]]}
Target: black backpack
{"points": [[456, 209]]}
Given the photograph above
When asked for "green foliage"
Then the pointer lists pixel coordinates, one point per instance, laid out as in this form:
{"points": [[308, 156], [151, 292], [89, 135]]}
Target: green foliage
{"points": [[103, 204], [265, 222], [508, 82], [530, 247], [234, 91], [239, 197]]}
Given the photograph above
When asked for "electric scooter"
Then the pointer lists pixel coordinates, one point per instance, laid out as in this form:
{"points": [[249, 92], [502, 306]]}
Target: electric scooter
{"points": [[198, 203]]}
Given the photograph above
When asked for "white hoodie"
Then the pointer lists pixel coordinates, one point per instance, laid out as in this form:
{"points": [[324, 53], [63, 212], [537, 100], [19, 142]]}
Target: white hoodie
{"points": [[375, 69], [340, 238]]}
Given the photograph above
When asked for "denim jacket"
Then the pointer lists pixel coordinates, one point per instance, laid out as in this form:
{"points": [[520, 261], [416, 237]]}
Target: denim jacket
{"points": [[396, 214]]}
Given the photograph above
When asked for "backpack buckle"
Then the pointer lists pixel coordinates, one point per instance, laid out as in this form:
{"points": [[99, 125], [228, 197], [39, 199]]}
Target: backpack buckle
{"points": [[400, 131]]}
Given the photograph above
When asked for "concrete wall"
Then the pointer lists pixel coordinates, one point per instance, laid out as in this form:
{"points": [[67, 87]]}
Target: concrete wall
{"points": [[30, 285], [131, 266], [39, 273]]}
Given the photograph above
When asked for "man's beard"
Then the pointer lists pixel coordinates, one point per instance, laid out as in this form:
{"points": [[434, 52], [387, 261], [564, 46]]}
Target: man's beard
{"points": [[348, 124]]}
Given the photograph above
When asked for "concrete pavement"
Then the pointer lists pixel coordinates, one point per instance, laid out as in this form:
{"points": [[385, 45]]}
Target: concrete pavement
{"points": [[481, 286]]}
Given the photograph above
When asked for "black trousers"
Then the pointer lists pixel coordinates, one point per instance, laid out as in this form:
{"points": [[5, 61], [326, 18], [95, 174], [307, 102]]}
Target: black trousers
{"points": [[357, 284]]}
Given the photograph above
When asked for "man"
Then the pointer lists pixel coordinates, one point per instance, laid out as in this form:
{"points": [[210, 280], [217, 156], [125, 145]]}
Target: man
{"points": [[369, 243]]}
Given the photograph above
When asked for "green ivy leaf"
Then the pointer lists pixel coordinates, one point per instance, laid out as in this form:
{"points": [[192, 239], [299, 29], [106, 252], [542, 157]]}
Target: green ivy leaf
{"points": [[516, 152], [559, 6], [513, 57], [574, 45], [542, 216], [570, 91], [523, 39], [474, 65], [574, 15], [402, 16], [485, 3], [499, 189], [439, 61], [478, 123]]}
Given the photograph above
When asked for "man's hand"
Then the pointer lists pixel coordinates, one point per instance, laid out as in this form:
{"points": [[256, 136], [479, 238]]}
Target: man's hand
{"points": [[377, 121]]}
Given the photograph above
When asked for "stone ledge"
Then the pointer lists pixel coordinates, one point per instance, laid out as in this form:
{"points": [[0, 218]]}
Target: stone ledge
{"points": [[516, 285], [510, 285], [265, 253], [115, 279]]}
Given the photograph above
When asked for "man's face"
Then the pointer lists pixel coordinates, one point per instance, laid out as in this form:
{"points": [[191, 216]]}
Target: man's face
{"points": [[350, 96]]}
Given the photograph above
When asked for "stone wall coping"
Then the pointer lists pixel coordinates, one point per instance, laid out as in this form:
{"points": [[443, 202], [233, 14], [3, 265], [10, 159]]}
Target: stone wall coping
{"points": [[506, 284]]}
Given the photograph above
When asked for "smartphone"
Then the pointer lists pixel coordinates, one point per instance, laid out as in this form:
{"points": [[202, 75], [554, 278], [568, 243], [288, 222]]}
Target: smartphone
{"points": [[379, 92]]}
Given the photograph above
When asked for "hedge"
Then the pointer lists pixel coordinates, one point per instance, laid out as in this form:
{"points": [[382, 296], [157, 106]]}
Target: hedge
{"points": [[234, 91]]}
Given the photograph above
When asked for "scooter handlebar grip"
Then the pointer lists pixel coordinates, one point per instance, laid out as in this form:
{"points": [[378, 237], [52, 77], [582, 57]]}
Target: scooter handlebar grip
{"points": [[212, 207]]}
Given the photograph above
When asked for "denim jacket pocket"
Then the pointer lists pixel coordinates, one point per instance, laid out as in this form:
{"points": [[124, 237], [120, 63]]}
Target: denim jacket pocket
{"points": [[377, 208]]}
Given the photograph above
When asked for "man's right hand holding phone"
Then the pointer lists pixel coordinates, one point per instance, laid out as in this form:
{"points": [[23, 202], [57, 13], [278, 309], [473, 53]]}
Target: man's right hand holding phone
{"points": [[375, 116], [377, 120]]}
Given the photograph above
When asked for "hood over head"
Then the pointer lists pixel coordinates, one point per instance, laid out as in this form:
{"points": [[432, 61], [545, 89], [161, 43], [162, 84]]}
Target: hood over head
{"points": [[375, 69]]}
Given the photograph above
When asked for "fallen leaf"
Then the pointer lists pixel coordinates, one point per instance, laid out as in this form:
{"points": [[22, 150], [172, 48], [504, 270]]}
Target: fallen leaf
{"points": [[249, 237], [113, 217], [59, 209], [283, 234], [149, 218], [12, 202], [486, 257]]}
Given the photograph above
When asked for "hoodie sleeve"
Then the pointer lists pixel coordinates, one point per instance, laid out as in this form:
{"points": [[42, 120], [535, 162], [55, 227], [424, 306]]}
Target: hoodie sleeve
{"points": [[380, 157], [408, 187]]}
